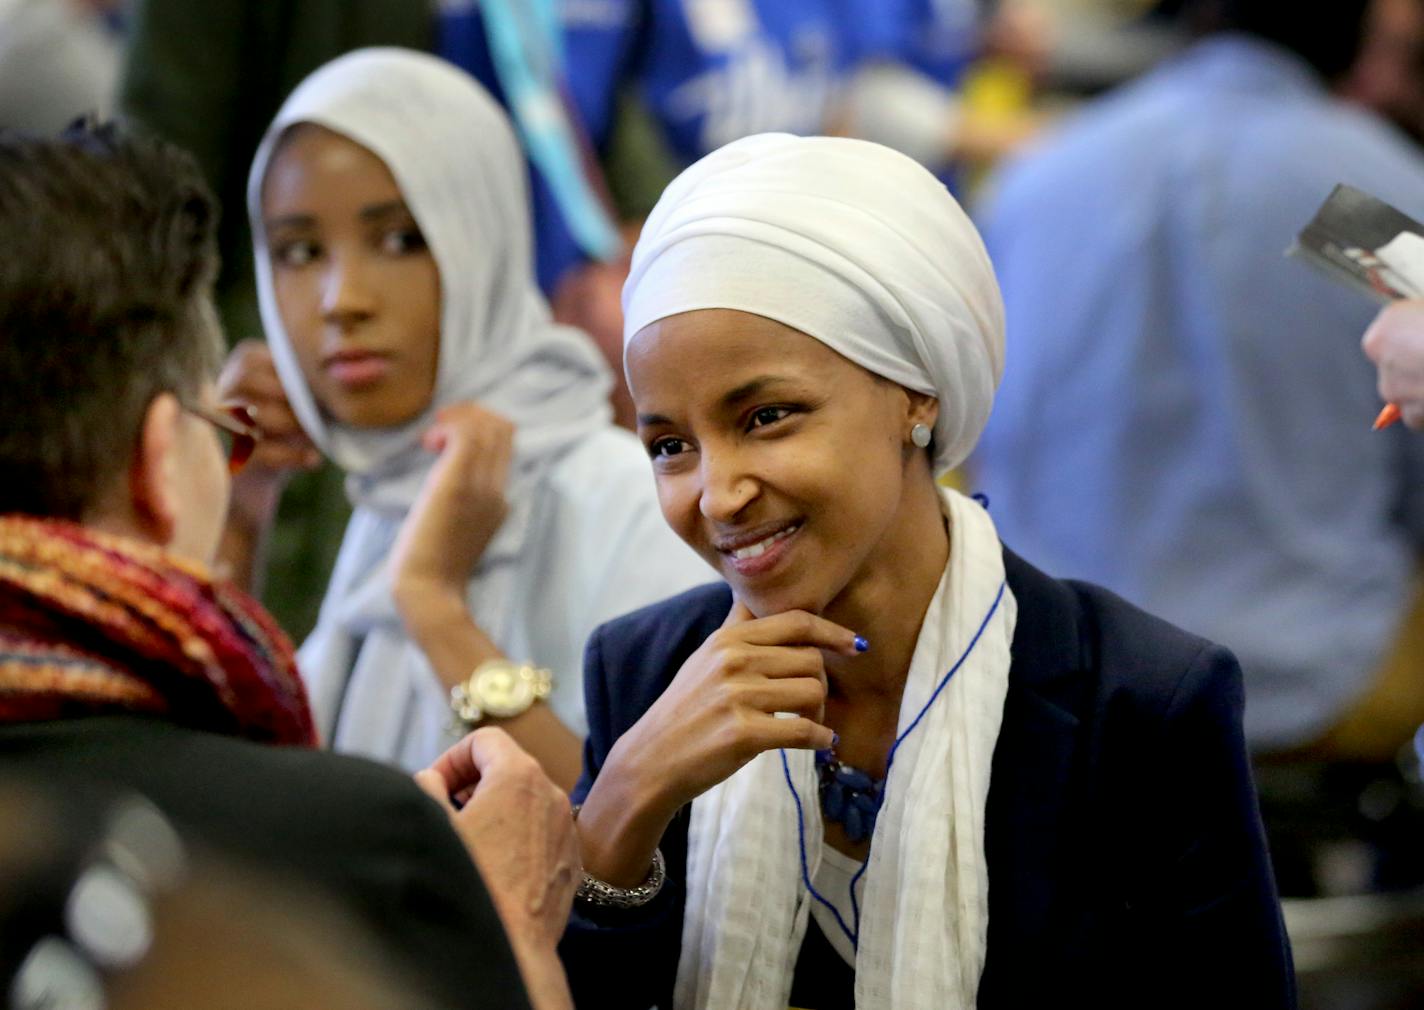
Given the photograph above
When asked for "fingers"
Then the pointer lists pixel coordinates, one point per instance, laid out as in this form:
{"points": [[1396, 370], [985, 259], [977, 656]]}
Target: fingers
{"points": [[474, 439], [257, 379], [1395, 343], [433, 785], [798, 733], [780, 662], [457, 767], [805, 696], [250, 374], [1402, 385], [491, 750], [286, 455], [276, 418], [797, 627], [482, 754], [1399, 326], [1372, 343]]}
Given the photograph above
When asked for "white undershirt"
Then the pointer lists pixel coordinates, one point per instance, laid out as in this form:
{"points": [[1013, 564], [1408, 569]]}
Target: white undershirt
{"points": [[832, 881]]}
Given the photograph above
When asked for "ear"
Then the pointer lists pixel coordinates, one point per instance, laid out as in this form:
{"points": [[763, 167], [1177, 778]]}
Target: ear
{"points": [[151, 474], [922, 408]]}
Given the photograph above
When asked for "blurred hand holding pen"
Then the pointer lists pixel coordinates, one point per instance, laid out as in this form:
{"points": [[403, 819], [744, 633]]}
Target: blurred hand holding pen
{"points": [[1364, 242], [1395, 343]]}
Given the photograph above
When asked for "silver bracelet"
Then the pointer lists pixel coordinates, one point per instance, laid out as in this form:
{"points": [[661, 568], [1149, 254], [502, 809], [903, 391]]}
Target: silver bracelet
{"points": [[598, 892]]}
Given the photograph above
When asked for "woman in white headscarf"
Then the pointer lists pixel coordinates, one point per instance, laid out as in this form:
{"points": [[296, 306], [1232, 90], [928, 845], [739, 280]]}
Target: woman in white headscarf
{"points": [[388, 203], [889, 764]]}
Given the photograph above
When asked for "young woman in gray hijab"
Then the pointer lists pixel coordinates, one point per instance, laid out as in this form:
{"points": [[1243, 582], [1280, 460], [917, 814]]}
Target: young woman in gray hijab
{"points": [[499, 514]]}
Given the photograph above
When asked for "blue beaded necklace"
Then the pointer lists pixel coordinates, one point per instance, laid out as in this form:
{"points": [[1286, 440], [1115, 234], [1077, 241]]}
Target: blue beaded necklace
{"points": [[854, 932], [849, 796]]}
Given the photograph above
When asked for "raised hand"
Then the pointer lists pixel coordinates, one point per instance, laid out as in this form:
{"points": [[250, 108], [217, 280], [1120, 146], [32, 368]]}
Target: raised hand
{"points": [[518, 827], [249, 376], [719, 712], [460, 507], [1395, 343]]}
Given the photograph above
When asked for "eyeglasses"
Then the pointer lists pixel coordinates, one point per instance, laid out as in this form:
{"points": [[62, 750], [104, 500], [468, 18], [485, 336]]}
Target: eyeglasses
{"points": [[236, 427]]}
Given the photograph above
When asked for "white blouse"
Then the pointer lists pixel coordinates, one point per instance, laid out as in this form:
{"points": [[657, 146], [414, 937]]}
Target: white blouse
{"points": [[833, 882]]}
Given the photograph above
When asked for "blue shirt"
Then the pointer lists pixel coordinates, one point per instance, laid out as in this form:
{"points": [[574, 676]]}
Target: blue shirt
{"points": [[713, 71], [1185, 414]]}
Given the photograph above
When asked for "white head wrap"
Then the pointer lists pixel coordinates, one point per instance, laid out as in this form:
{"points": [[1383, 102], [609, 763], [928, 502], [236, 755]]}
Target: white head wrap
{"points": [[459, 168], [844, 240]]}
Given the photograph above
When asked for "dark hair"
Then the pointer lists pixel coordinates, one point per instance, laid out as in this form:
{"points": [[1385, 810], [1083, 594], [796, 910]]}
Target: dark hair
{"points": [[1327, 35], [105, 302]]}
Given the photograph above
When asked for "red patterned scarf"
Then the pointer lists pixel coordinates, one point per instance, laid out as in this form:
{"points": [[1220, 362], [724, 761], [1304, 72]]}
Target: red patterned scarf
{"points": [[97, 624]]}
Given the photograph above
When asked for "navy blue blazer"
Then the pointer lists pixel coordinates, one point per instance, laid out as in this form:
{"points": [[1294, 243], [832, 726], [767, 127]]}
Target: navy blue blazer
{"points": [[1127, 863]]}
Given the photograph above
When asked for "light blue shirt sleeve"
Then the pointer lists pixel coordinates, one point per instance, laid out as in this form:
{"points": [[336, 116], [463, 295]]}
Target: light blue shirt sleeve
{"points": [[1185, 413]]}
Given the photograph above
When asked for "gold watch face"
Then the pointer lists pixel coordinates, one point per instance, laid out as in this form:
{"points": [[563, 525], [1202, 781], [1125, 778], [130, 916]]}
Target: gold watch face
{"points": [[502, 692]]}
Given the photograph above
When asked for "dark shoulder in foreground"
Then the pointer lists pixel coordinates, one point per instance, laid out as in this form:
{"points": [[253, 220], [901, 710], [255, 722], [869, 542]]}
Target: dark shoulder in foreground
{"points": [[1067, 629], [362, 832]]}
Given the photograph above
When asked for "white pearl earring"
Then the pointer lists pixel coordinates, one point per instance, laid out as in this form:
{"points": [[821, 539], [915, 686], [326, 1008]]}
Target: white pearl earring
{"points": [[920, 436]]}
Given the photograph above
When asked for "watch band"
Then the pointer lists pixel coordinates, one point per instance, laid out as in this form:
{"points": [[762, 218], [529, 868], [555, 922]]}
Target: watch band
{"points": [[465, 707]]}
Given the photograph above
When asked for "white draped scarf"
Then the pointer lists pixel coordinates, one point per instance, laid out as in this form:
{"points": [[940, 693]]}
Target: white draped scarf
{"points": [[862, 249], [458, 165], [925, 916]]}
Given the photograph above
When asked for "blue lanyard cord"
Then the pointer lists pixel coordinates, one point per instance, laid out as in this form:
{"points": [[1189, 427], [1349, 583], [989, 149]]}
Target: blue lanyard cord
{"points": [[854, 934], [526, 47], [805, 868]]}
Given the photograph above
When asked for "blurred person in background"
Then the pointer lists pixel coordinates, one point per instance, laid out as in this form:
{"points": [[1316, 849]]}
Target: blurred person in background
{"points": [[59, 60], [209, 77], [409, 342], [1388, 75], [125, 665], [1185, 418]]}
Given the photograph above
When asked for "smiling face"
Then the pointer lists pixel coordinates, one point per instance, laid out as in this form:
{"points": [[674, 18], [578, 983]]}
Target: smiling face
{"points": [[356, 285], [784, 465]]}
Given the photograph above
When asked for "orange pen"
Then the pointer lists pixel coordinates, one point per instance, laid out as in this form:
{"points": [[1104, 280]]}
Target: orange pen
{"points": [[1388, 416]]}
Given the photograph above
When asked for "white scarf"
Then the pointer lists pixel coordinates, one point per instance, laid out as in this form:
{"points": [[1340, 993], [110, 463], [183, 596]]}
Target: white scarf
{"points": [[459, 168], [925, 918]]}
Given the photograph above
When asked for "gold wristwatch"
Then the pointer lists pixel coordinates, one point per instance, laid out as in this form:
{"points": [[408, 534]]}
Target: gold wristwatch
{"points": [[499, 689]]}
